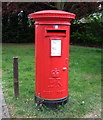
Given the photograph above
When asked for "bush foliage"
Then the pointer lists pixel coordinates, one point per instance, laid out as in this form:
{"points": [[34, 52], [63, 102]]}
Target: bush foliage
{"points": [[87, 34], [19, 30]]}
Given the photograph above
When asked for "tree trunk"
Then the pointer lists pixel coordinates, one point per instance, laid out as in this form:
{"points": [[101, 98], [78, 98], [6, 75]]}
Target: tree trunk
{"points": [[60, 4]]}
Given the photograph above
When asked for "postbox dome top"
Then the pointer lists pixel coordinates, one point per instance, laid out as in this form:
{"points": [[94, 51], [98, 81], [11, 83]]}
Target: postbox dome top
{"points": [[52, 13]]}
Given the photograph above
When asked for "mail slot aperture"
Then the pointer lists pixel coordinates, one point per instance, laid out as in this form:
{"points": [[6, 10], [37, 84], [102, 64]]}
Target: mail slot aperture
{"points": [[56, 32]]}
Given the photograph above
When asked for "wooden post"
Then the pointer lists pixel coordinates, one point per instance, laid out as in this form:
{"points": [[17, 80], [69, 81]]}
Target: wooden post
{"points": [[15, 72]]}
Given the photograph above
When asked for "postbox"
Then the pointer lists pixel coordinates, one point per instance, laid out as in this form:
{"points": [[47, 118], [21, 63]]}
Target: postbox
{"points": [[52, 43]]}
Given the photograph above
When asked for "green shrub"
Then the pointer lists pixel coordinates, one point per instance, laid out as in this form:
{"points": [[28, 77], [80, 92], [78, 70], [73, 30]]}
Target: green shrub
{"points": [[22, 31], [17, 30], [87, 34]]}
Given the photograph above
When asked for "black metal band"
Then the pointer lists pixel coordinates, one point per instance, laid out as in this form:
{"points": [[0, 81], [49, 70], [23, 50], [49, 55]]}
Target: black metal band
{"points": [[51, 103]]}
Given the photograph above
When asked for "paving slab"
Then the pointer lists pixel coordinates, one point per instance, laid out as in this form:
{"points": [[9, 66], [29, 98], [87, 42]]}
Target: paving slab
{"points": [[4, 113]]}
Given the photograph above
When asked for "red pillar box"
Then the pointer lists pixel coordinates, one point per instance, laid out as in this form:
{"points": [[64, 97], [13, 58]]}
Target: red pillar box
{"points": [[52, 41]]}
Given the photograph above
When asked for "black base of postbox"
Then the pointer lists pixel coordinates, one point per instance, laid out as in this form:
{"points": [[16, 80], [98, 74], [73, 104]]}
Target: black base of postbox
{"points": [[51, 103]]}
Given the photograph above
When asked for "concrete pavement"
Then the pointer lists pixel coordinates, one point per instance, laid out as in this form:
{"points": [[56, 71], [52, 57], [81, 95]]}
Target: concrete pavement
{"points": [[3, 107]]}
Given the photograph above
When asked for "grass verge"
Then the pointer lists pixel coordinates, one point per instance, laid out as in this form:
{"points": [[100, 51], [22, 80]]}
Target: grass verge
{"points": [[84, 83]]}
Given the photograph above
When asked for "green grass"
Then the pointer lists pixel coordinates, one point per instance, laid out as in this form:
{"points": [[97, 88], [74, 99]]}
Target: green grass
{"points": [[84, 82]]}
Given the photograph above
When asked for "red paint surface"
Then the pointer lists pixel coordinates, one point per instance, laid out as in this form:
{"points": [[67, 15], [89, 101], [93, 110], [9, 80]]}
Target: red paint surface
{"points": [[51, 79]]}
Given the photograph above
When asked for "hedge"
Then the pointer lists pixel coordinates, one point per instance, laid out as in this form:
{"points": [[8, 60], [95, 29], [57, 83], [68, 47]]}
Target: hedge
{"points": [[19, 31], [90, 34]]}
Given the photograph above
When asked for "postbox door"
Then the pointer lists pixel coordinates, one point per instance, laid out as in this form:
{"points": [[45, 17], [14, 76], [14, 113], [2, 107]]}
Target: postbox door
{"points": [[56, 77]]}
